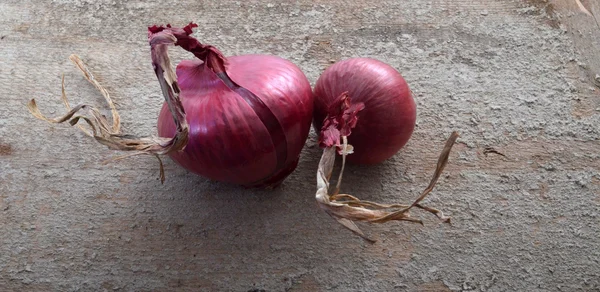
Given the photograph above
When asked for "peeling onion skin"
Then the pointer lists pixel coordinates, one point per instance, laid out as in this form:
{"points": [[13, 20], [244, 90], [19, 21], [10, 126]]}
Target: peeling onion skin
{"points": [[388, 120], [228, 141]]}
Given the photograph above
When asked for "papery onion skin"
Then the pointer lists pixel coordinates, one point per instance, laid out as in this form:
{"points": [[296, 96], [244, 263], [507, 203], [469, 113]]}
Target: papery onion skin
{"points": [[388, 119], [228, 141]]}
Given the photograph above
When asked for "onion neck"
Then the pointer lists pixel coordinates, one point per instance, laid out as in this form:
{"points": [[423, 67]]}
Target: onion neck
{"points": [[217, 65]]}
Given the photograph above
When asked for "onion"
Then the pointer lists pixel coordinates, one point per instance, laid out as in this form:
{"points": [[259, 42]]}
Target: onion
{"points": [[389, 116], [241, 120], [248, 123]]}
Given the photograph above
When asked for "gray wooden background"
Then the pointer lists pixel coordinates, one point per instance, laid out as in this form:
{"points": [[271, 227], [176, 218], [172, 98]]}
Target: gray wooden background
{"points": [[517, 76]]}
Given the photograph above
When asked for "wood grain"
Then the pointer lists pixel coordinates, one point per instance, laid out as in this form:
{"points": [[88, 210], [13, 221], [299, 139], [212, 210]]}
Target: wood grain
{"points": [[584, 29]]}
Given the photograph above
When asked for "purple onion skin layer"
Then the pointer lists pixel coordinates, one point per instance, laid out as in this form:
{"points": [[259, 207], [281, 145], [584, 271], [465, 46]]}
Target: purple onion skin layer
{"points": [[233, 141], [388, 120]]}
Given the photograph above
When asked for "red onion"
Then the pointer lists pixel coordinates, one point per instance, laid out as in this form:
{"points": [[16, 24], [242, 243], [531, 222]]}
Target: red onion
{"points": [[242, 120], [389, 116], [248, 115]]}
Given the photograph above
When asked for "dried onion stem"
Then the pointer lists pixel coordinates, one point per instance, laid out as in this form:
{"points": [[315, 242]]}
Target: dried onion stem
{"points": [[347, 209], [109, 133]]}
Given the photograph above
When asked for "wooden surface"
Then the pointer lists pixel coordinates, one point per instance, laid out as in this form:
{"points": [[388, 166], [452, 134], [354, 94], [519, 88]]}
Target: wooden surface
{"points": [[516, 76]]}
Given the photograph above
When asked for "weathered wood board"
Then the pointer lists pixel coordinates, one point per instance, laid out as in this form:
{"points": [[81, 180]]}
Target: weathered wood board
{"points": [[517, 76]]}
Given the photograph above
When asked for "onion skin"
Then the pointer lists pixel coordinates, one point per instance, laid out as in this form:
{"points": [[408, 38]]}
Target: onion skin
{"points": [[389, 116], [232, 139]]}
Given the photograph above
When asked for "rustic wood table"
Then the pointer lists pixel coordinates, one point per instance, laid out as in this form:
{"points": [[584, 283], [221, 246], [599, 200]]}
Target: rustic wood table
{"points": [[518, 78]]}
